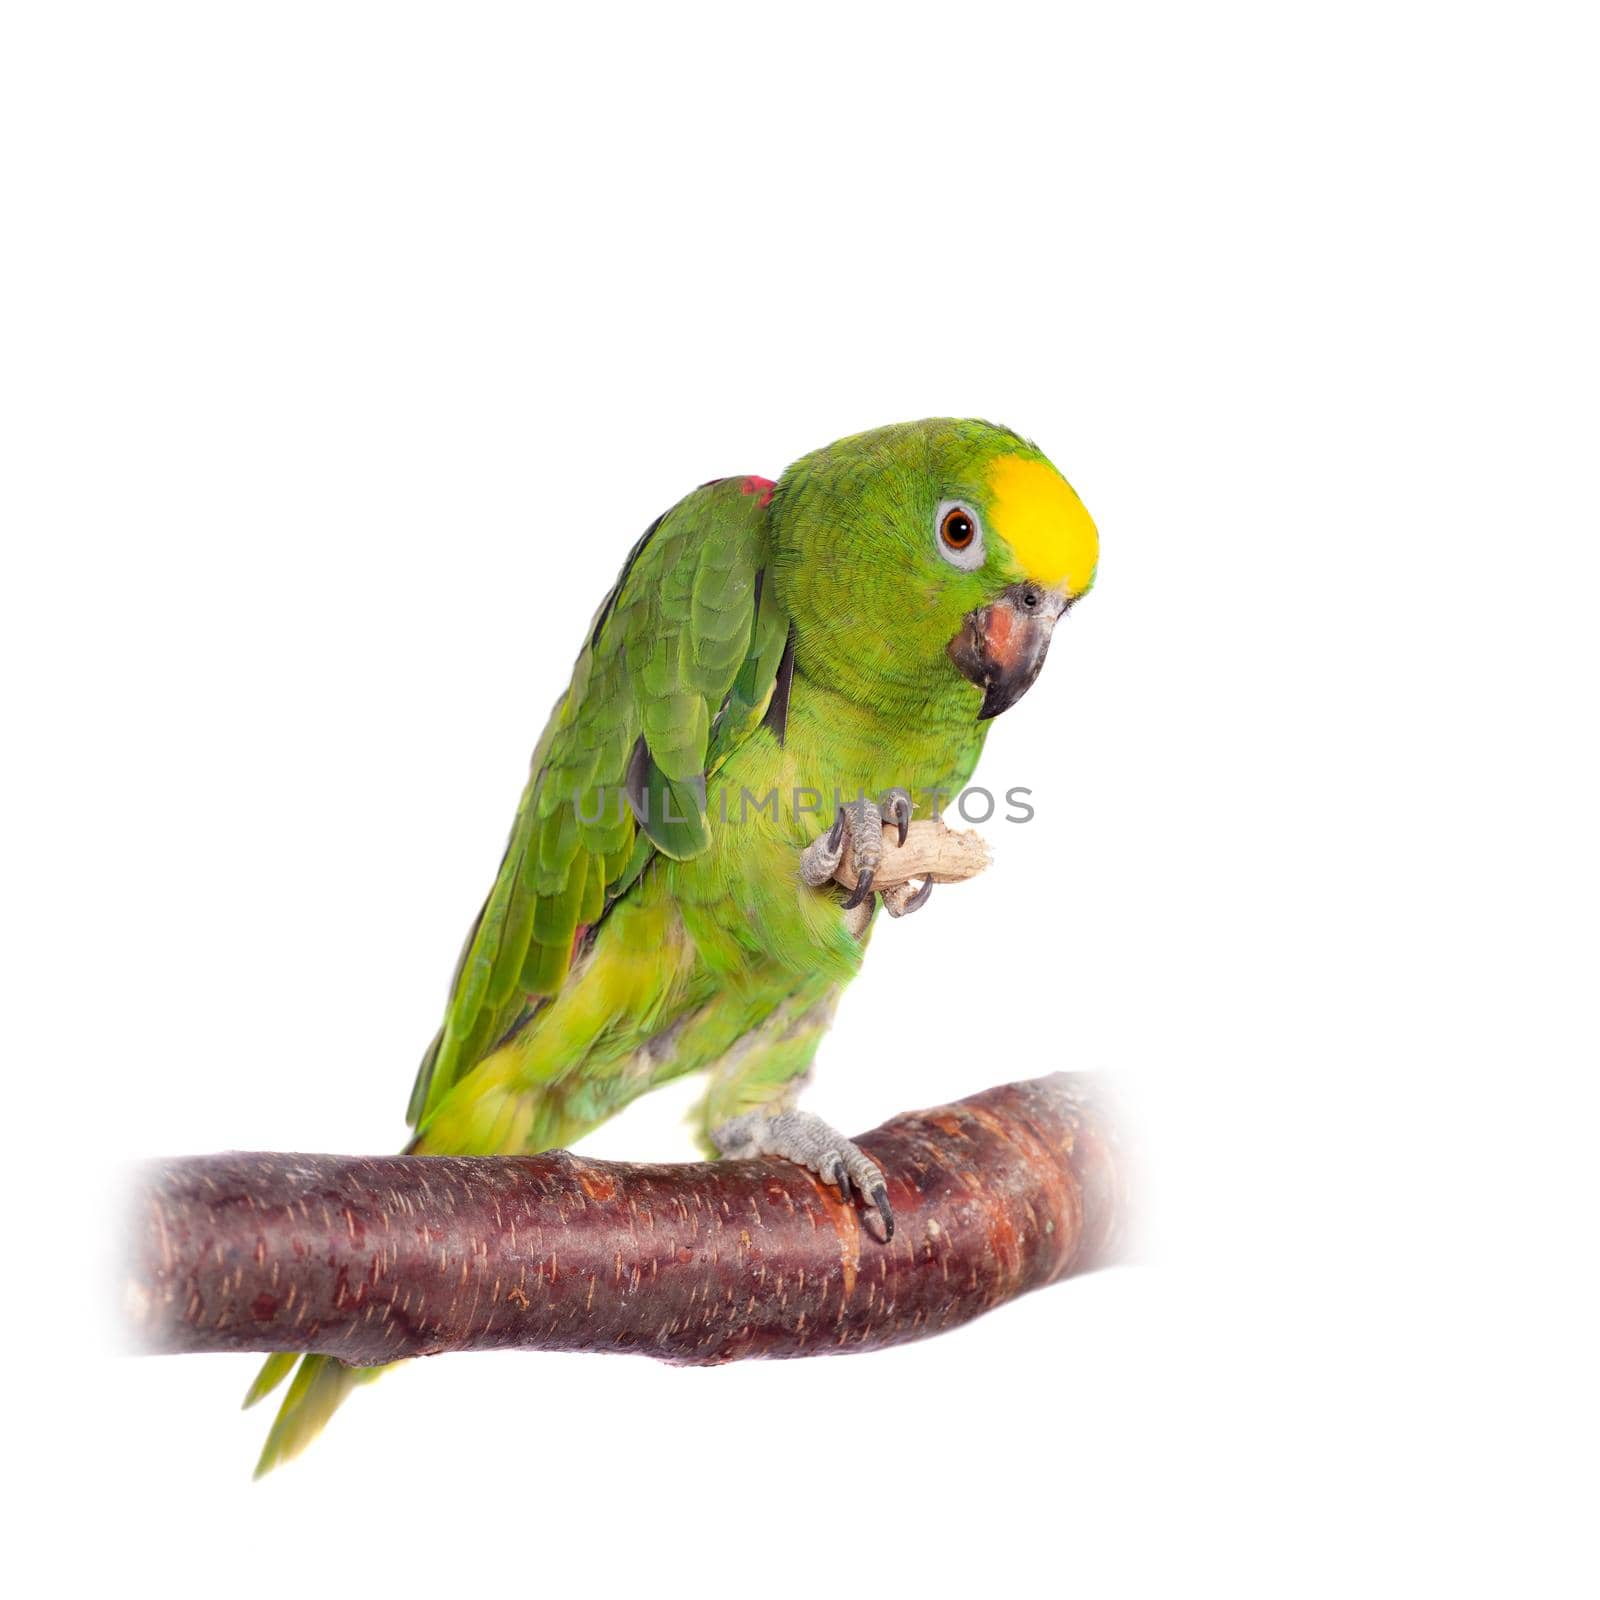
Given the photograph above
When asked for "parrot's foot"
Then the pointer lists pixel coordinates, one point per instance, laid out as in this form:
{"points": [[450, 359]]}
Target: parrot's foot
{"points": [[861, 823], [901, 899], [804, 1138]]}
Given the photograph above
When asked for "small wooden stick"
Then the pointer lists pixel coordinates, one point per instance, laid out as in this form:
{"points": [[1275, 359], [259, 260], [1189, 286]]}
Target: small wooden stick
{"points": [[931, 850]]}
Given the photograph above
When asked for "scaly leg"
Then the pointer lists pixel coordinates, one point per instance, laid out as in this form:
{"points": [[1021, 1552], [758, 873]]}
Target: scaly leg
{"points": [[748, 1109], [862, 823], [803, 1137]]}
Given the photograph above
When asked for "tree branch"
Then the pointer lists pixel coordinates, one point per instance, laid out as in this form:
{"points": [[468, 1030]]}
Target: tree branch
{"points": [[374, 1258]]}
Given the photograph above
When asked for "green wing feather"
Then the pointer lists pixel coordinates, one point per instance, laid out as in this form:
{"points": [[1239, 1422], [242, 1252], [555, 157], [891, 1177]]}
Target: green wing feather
{"points": [[678, 667]]}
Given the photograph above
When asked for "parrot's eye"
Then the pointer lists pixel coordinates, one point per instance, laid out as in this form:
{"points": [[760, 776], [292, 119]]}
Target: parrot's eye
{"points": [[956, 529], [960, 535]]}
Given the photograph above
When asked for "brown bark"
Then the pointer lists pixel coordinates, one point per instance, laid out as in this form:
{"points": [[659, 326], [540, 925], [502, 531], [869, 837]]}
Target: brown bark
{"points": [[374, 1258]]}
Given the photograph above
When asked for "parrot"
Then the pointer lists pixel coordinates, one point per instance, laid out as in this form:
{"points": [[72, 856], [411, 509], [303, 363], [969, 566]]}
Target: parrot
{"points": [[666, 903]]}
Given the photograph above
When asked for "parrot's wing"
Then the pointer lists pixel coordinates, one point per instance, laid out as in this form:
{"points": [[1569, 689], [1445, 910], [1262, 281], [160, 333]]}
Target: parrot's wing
{"points": [[680, 665]]}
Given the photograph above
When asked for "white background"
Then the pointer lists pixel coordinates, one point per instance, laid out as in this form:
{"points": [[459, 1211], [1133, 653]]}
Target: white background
{"points": [[346, 351]]}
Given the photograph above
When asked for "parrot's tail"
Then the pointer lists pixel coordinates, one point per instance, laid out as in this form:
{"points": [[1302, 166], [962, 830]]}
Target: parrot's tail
{"points": [[318, 1391]]}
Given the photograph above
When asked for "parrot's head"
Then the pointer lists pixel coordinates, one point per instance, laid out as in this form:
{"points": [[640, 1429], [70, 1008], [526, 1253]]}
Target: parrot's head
{"points": [[917, 552]]}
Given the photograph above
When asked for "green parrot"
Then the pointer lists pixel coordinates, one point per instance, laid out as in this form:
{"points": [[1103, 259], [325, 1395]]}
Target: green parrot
{"points": [[666, 901]]}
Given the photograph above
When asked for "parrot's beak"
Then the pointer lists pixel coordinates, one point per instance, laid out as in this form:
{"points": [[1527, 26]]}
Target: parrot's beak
{"points": [[1002, 646]]}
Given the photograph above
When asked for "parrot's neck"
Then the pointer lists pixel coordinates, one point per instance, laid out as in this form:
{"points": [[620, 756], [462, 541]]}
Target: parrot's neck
{"points": [[919, 737]]}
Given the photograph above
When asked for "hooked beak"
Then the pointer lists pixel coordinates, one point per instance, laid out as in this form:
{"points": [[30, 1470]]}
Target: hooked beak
{"points": [[1002, 646]]}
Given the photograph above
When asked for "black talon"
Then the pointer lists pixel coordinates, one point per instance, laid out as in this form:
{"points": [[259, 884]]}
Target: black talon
{"points": [[841, 1176], [836, 832], [880, 1198], [862, 889], [900, 813], [919, 899]]}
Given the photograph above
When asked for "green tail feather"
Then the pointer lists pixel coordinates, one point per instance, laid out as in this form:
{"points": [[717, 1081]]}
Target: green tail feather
{"points": [[318, 1390], [273, 1372]]}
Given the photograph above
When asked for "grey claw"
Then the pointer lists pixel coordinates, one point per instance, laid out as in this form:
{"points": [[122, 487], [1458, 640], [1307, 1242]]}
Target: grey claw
{"points": [[880, 1198], [862, 889], [841, 1176], [900, 899], [897, 809], [820, 859]]}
